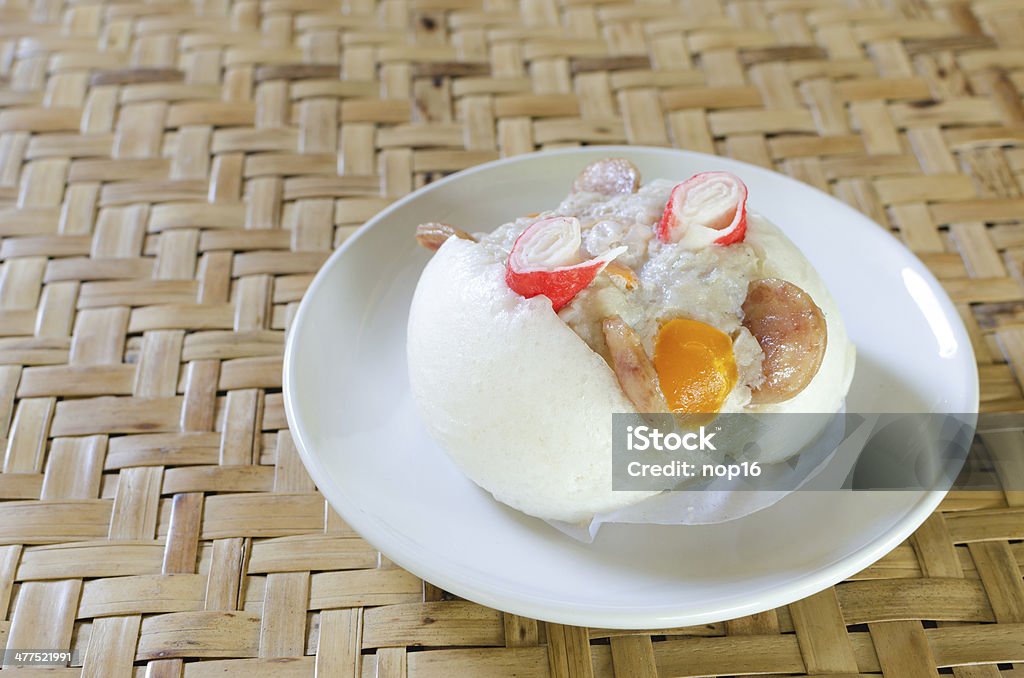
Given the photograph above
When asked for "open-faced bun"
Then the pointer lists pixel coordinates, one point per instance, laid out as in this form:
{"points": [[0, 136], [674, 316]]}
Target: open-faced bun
{"points": [[518, 401], [521, 398]]}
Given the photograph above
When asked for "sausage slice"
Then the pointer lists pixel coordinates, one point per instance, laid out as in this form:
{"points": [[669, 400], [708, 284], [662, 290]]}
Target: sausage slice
{"points": [[791, 330]]}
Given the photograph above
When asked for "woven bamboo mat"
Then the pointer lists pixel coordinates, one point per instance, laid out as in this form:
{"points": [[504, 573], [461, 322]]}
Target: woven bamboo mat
{"points": [[172, 173]]}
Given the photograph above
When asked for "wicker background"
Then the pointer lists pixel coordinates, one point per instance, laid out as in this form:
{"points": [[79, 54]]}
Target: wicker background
{"points": [[172, 173]]}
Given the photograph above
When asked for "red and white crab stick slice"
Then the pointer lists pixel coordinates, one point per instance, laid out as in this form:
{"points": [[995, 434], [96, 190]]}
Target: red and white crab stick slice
{"points": [[708, 208], [545, 259]]}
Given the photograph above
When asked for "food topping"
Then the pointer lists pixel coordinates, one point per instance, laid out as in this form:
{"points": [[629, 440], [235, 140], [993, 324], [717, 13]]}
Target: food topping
{"points": [[623, 272], [632, 367], [708, 208], [695, 365], [792, 332], [434, 234], [545, 259], [609, 177]]}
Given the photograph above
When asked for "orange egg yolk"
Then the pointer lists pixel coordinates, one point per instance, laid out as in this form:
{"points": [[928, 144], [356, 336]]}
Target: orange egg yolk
{"points": [[695, 365]]}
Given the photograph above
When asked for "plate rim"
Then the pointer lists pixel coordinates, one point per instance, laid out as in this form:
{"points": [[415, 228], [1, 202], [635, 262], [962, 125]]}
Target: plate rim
{"points": [[611, 617]]}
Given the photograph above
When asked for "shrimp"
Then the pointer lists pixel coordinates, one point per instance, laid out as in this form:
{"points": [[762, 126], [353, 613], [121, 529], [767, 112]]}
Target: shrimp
{"points": [[792, 332], [434, 234], [632, 367]]}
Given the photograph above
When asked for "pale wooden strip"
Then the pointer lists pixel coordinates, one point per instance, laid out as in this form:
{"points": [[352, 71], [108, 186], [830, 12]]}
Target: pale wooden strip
{"points": [[273, 412], [903, 649], [820, 628], [760, 121], [182, 546], [158, 449], [197, 413], [56, 309], [934, 548], [241, 424], [75, 269], [119, 232], [312, 552], [282, 633], [247, 373], [157, 372], [931, 151], [917, 229], [876, 127], [44, 615], [116, 415], [181, 316], [986, 525], [20, 485], [338, 652], [253, 299], [748, 148], [645, 123], [192, 158], [99, 337], [244, 240], [568, 651], [391, 662], [236, 478], [934, 188], [519, 631], [27, 442], [524, 662], [224, 214], [90, 559], [960, 111], [134, 515], [974, 644], [432, 624], [290, 474], [983, 289], [9, 556], [742, 654], [176, 255], [633, 657], [1001, 577], [199, 634], [97, 170], [74, 468], [263, 207], [76, 380], [225, 579], [933, 598], [399, 590], [10, 375], [111, 649], [31, 351], [139, 130], [291, 667], [137, 293], [214, 278], [1004, 448], [47, 245]]}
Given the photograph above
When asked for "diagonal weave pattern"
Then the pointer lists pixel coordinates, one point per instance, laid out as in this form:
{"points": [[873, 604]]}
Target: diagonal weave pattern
{"points": [[172, 174]]}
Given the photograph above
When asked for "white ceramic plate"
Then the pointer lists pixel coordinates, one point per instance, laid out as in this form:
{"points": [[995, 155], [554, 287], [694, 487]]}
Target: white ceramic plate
{"points": [[347, 398]]}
